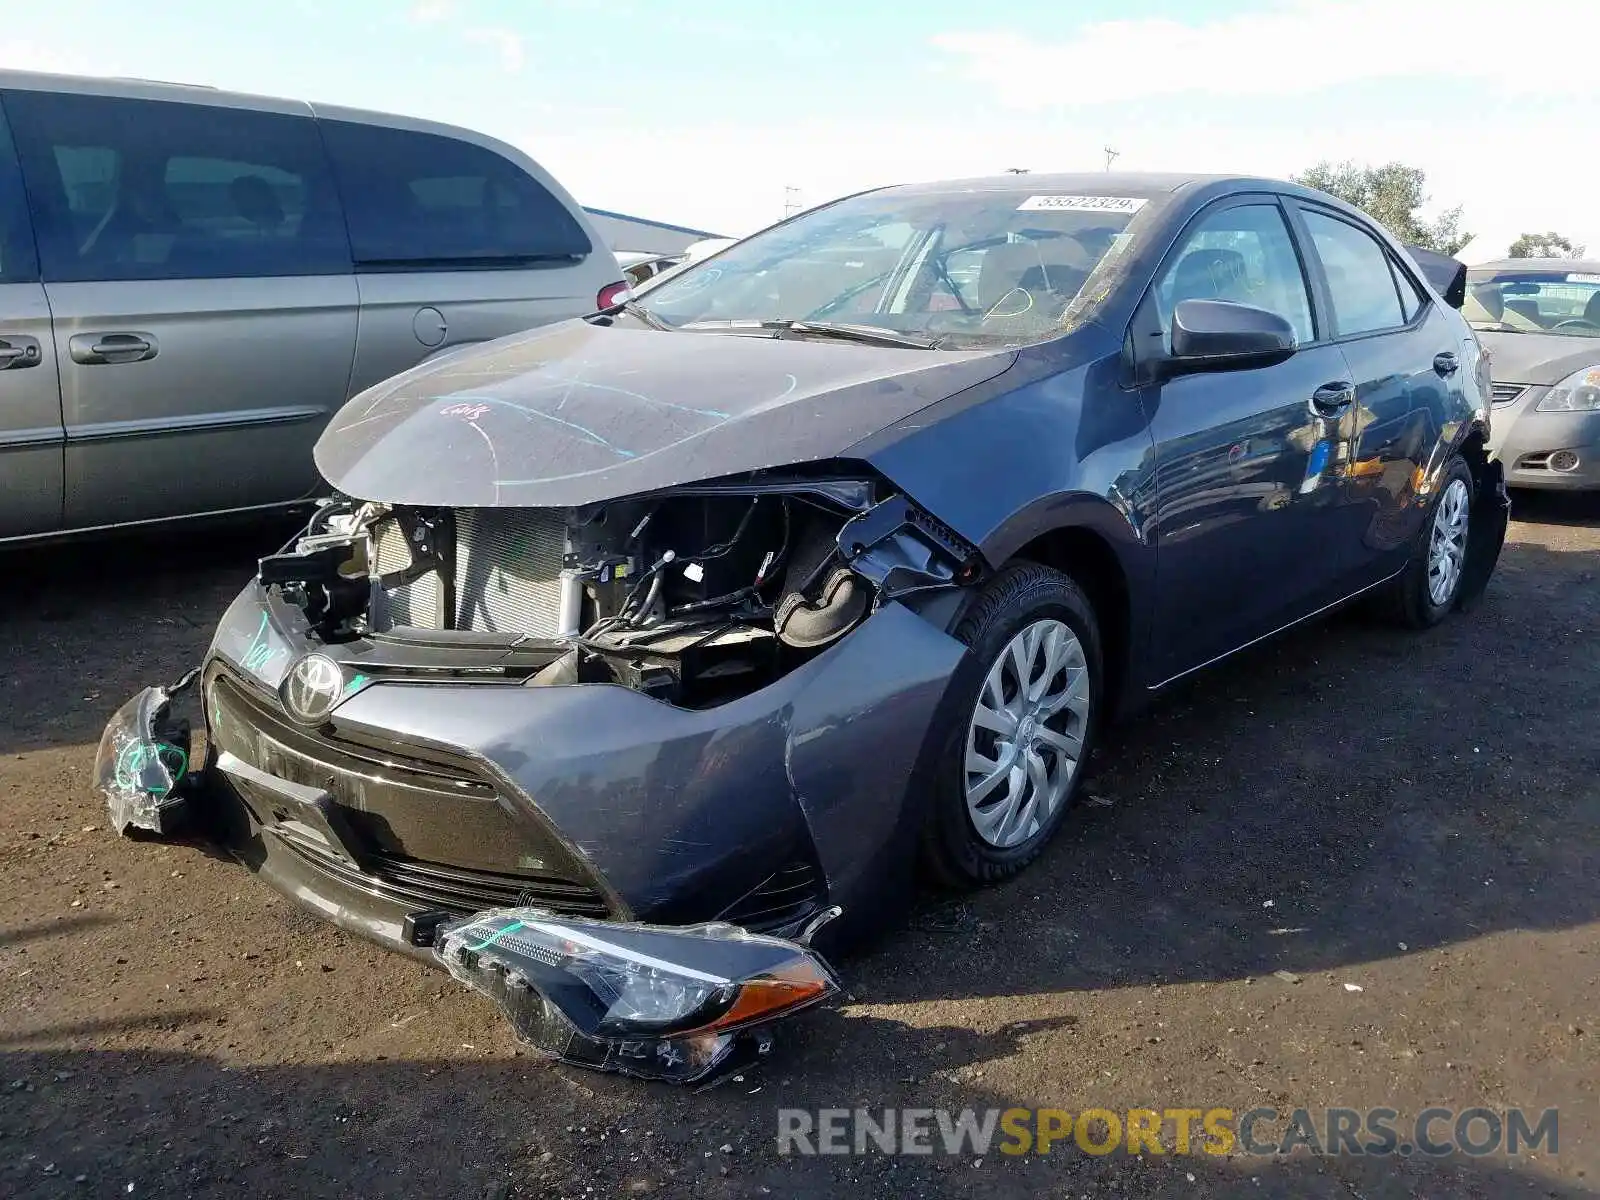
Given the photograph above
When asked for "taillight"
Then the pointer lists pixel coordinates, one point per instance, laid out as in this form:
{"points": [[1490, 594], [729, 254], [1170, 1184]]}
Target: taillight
{"points": [[612, 294]]}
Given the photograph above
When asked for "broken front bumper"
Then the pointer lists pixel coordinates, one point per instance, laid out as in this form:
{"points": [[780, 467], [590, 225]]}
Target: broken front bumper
{"points": [[142, 763], [427, 793]]}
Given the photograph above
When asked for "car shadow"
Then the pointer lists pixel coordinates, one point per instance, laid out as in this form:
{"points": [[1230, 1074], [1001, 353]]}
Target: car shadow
{"points": [[1347, 794], [84, 625], [1555, 508], [159, 1124]]}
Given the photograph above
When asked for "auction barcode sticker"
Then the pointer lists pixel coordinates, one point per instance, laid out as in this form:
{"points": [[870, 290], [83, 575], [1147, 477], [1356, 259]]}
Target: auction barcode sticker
{"points": [[1111, 204]]}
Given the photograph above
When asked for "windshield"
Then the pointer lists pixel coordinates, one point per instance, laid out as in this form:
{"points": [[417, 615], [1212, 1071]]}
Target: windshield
{"points": [[1560, 302], [958, 268]]}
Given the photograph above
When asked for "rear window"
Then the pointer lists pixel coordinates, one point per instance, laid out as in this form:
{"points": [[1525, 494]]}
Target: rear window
{"points": [[418, 200], [149, 189], [1530, 300]]}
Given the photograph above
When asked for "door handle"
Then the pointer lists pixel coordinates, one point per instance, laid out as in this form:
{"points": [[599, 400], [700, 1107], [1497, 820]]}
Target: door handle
{"points": [[1446, 363], [93, 349], [18, 353], [1331, 399]]}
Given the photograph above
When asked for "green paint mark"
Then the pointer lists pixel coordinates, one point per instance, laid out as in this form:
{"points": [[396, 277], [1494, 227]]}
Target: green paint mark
{"points": [[135, 757], [261, 653], [354, 683]]}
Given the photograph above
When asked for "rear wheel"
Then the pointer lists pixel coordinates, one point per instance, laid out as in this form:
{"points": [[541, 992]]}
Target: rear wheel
{"points": [[1013, 745], [1423, 594]]}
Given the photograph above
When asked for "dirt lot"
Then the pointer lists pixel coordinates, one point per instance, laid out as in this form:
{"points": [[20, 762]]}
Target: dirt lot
{"points": [[1418, 816]]}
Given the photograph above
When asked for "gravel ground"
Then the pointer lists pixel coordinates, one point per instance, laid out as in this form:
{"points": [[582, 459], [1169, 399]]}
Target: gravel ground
{"points": [[1413, 815]]}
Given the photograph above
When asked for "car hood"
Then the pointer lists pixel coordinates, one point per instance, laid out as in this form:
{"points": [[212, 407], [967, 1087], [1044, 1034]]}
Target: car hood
{"points": [[575, 413], [1537, 358]]}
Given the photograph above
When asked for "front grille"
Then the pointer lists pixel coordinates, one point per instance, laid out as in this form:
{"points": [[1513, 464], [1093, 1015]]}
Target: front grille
{"points": [[1506, 393], [508, 572], [427, 829], [455, 889], [782, 903]]}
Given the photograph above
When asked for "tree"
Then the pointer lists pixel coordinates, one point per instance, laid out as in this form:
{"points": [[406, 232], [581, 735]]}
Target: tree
{"points": [[1545, 245], [1391, 195]]}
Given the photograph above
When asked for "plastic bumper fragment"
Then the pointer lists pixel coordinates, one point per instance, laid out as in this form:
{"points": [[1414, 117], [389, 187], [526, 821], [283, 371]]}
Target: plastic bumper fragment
{"points": [[676, 1003], [143, 761]]}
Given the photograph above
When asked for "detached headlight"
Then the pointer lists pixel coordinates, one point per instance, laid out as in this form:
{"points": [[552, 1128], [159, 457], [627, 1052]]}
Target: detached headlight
{"points": [[1578, 392], [654, 1001]]}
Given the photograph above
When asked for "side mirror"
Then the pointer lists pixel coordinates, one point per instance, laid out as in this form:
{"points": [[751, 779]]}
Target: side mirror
{"points": [[1219, 335]]}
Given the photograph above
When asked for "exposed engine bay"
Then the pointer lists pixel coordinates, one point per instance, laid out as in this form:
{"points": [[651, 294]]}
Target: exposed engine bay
{"points": [[694, 596]]}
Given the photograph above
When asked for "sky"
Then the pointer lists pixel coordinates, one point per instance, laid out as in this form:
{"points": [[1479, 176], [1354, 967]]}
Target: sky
{"points": [[706, 112]]}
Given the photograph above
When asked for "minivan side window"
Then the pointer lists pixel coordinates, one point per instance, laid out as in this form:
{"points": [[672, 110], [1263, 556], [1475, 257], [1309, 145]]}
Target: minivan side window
{"points": [[17, 264], [1360, 279], [152, 189], [416, 201]]}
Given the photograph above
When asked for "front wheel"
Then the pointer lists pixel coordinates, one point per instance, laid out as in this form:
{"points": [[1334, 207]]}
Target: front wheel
{"points": [[1423, 593], [1017, 737]]}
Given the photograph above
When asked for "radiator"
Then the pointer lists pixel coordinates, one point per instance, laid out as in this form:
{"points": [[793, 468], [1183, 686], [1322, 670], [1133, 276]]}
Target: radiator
{"points": [[508, 573]]}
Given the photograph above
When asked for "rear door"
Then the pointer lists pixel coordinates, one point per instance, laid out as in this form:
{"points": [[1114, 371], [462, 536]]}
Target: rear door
{"points": [[1402, 357], [1247, 521], [196, 264], [30, 402], [454, 242]]}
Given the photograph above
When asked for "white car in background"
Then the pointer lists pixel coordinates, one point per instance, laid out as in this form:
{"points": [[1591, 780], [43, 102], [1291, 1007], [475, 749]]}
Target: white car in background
{"points": [[697, 251], [638, 266]]}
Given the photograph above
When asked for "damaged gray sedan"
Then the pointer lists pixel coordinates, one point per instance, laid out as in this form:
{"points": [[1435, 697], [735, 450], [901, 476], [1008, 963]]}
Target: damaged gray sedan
{"points": [[632, 650]]}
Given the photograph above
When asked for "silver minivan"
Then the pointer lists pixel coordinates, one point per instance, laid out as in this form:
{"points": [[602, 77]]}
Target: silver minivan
{"points": [[193, 281]]}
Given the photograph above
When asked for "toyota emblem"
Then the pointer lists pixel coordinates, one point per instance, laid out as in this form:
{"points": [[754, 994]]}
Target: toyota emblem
{"points": [[311, 688]]}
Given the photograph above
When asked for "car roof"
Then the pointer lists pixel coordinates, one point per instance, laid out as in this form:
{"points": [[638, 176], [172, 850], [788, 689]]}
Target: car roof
{"points": [[203, 93], [1091, 183], [1579, 266], [146, 89]]}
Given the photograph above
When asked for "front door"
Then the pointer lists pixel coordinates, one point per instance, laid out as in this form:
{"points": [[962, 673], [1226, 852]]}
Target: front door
{"points": [[197, 268], [1248, 489]]}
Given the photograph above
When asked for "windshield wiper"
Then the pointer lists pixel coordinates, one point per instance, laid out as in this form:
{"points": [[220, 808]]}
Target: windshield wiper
{"points": [[634, 309], [735, 325], [873, 334], [1496, 327]]}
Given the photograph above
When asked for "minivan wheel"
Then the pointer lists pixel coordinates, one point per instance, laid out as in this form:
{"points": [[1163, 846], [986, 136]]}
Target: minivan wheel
{"points": [[1425, 592], [1016, 738]]}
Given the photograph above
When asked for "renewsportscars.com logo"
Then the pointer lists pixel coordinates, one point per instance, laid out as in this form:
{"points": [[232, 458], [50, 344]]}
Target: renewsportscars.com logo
{"points": [[1434, 1132]]}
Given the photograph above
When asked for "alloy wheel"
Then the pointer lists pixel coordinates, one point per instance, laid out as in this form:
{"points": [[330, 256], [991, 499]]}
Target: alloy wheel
{"points": [[1025, 738], [1447, 546]]}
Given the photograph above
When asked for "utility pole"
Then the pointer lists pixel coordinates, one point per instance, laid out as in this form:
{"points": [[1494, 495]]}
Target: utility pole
{"points": [[1111, 156], [791, 201]]}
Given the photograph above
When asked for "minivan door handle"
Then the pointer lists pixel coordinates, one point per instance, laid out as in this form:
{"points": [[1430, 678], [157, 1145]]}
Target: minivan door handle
{"points": [[95, 349], [18, 352], [1445, 362], [1331, 399]]}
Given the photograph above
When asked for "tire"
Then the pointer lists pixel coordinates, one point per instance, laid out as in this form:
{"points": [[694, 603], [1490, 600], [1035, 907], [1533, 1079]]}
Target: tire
{"points": [[1050, 619], [1409, 599]]}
